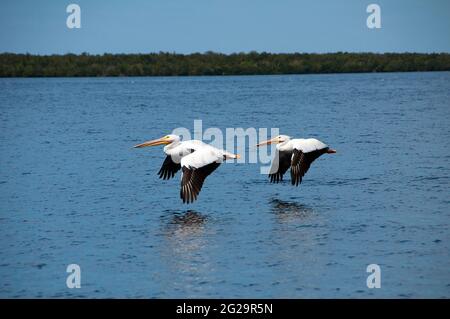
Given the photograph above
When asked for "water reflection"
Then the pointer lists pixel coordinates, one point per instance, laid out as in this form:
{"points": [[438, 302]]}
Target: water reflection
{"points": [[290, 211], [298, 233], [185, 251], [187, 224], [185, 233]]}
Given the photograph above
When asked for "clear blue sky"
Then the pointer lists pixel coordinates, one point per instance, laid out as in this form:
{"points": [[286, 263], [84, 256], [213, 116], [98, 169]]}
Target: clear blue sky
{"points": [[185, 26]]}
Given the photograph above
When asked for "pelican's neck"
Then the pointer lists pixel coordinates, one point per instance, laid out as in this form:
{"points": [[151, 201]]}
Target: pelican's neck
{"points": [[284, 146], [172, 145]]}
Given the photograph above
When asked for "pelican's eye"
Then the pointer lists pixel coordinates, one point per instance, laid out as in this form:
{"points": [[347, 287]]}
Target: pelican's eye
{"points": [[166, 137]]}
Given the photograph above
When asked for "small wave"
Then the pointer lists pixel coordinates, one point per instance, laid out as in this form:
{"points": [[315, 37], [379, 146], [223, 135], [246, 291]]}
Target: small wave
{"points": [[429, 178], [347, 181]]}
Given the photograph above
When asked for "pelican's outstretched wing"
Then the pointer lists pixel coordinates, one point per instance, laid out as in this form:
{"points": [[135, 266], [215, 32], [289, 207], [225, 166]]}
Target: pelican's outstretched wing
{"points": [[196, 167], [169, 168], [172, 164], [280, 165], [305, 152]]}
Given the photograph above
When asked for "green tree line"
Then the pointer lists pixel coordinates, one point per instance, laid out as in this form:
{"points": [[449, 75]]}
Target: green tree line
{"points": [[211, 63]]}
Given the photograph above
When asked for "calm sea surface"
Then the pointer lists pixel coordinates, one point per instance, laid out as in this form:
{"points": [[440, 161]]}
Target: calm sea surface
{"points": [[72, 189]]}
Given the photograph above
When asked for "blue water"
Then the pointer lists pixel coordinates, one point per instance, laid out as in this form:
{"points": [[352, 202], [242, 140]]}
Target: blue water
{"points": [[72, 190]]}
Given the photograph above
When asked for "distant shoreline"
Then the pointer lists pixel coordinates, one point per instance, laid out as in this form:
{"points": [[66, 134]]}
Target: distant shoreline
{"points": [[216, 64]]}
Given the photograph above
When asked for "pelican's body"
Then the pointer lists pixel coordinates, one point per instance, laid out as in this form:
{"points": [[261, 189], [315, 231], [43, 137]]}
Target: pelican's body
{"points": [[196, 159], [175, 151], [297, 154]]}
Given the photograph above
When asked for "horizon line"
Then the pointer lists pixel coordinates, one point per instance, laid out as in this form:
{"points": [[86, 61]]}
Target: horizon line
{"points": [[228, 54]]}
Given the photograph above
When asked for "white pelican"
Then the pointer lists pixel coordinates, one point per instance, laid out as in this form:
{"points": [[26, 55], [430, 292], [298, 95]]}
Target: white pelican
{"points": [[196, 159], [298, 154]]}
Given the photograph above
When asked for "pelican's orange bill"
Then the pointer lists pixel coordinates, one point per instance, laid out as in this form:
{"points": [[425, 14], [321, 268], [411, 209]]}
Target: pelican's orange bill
{"points": [[159, 141]]}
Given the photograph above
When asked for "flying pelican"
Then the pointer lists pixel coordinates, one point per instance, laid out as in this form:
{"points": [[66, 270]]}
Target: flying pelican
{"points": [[196, 159], [298, 154]]}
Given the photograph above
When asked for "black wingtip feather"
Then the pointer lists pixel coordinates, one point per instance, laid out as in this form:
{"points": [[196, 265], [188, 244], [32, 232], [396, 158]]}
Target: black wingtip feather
{"points": [[192, 181], [168, 169]]}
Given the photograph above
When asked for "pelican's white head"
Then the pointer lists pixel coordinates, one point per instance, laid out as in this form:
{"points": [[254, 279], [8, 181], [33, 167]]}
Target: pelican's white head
{"points": [[276, 140], [165, 140]]}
